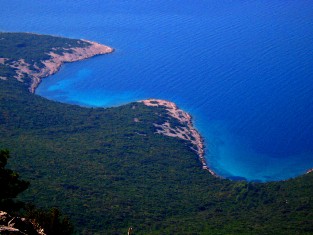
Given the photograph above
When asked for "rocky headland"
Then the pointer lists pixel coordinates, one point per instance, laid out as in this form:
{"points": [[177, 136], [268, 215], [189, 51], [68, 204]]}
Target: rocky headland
{"points": [[186, 131], [36, 71]]}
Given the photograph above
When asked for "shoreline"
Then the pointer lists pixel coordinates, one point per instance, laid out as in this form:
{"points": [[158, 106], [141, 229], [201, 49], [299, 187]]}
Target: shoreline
{"points": [[52, 65], [188, 133]]}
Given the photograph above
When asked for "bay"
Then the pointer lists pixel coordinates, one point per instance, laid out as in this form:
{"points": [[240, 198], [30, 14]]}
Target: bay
{"points": [[243, 69]]}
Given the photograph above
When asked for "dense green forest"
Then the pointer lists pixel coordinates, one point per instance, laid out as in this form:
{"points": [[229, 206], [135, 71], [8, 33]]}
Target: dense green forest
{"points": [[108, 172]]}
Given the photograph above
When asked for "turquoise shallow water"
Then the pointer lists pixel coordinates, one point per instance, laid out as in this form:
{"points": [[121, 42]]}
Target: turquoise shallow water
{"points": [[243, 69]]}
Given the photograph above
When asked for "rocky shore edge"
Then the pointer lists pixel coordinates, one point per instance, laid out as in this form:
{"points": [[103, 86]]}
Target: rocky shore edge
{"points": [[187, 132], [52, 65], [78, 53]]}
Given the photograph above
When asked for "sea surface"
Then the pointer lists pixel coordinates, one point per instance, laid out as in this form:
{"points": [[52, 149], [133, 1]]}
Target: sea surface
{"points": [[242, 68]]}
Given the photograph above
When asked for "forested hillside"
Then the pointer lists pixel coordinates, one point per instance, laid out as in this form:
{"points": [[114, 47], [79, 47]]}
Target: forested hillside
{"points": [[108, 170]]}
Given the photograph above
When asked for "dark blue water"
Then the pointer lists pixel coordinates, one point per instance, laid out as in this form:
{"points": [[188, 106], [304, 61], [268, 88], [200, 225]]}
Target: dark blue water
{"points": [[243, 69]]}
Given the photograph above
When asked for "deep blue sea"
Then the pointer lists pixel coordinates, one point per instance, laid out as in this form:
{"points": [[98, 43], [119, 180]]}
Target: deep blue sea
{"points": [[242, 68]]}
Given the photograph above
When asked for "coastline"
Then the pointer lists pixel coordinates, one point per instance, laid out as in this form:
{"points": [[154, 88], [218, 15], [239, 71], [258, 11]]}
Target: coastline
{"points": [[188, 132], [52, 65], [79, 53]]}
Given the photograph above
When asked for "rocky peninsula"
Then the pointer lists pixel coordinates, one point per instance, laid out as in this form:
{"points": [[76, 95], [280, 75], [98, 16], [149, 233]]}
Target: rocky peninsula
{"points": [[48, 60], [186, 132], [53, 65]]}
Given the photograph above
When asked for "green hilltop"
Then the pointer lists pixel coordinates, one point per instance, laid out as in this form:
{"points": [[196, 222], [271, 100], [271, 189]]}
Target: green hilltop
{"points": [[108, 172]]}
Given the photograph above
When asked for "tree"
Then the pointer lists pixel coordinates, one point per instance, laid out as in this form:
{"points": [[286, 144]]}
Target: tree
{"points": [[10, 184], [52, 221]]}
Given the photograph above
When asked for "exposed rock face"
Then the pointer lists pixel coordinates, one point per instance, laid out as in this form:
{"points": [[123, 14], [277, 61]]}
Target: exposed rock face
{"points": [[2, 60], [186, 132], [309, 171], [16, 225], [53, 64]]}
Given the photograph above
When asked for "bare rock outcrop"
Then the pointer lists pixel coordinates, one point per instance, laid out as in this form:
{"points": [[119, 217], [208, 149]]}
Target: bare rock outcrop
{"points": [[17, 225], [186, 132]]}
